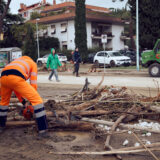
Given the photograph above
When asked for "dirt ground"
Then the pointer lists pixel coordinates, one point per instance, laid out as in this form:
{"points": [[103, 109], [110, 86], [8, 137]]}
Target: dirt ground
{"points": [[22, 143]]}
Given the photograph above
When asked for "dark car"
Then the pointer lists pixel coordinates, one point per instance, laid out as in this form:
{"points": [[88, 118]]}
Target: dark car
{"points": [[91, 57], [131, 54]]}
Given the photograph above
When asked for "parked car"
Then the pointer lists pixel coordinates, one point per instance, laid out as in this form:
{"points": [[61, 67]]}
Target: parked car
{"points": [[91, 57], [111, 58], [43, 60], [131, 54]]}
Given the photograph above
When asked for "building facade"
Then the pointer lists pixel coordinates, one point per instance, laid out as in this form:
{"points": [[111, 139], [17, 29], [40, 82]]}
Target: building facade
{"points": [[26, 11], [59, 22]]}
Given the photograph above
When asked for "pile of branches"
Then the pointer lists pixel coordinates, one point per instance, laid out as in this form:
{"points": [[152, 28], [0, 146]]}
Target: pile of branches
{"points": [[106, 105], [110, 106]]}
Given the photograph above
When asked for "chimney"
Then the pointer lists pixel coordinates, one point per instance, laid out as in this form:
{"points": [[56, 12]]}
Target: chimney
{"points": [[21, 5], [24, 6], [54, 2], [44, 1]]}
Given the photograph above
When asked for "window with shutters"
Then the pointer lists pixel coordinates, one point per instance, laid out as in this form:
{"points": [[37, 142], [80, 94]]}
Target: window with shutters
{"points": [[53, 29], [63, 27]]}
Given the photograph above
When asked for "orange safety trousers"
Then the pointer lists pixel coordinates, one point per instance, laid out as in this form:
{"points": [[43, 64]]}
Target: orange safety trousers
{"points": [[15, 83]]}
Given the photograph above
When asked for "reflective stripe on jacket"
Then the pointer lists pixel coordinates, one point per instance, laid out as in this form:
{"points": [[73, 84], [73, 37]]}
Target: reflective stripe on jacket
{"points": [[27, 67]]}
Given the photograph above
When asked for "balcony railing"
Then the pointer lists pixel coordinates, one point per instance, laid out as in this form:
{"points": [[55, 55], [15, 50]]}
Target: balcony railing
{"points": [[109, 34]]}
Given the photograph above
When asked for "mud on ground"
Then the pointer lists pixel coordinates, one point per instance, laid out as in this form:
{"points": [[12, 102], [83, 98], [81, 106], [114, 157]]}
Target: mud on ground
{"points": [[22, 143]]}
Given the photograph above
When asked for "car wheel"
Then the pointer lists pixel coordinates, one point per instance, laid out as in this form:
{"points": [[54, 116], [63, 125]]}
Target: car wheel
{"points": [[154, 70], [97, 63], [112, 63], [40, 63], [126, 64]]}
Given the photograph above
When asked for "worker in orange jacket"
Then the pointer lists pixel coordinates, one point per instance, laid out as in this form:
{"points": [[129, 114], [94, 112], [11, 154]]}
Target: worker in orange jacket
{"points": [[13, 78], [27, 109]]}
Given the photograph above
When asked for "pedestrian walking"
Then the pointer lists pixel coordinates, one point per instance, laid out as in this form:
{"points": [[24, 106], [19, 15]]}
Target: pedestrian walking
{"points": [[53, 62], [77, 61]]}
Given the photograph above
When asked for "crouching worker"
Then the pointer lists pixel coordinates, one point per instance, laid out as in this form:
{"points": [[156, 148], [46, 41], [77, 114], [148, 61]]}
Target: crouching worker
{"points": [[13, 78]]}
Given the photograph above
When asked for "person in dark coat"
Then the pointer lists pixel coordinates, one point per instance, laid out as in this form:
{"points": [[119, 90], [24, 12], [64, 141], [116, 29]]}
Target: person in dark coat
{"points": [[77, 60]]}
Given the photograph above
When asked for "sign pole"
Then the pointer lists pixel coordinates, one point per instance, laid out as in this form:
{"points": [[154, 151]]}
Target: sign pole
{"points": [[137, 33], [104, 41], [104, 56]]}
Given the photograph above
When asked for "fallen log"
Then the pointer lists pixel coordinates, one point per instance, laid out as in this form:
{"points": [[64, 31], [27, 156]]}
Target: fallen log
{"points": [[63, 113], [82, 105], [126, 126], [19, 123], [72, 125], [80, 126], [104, 152], [91, 113]]}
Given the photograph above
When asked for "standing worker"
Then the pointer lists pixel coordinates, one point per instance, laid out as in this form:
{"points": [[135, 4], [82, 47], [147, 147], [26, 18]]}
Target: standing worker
{"points": [[13, 78], [77, 60], [53, 62]]}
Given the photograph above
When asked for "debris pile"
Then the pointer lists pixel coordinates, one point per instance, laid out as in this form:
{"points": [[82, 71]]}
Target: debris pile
{"points": [[106, 111]]}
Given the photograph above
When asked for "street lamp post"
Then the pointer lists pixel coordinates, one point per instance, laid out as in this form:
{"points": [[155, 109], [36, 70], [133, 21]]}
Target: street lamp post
{"points": [[137, 33], [37, 36]]}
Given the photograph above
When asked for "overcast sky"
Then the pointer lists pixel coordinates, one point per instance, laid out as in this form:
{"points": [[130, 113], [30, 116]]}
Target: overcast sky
{"points": [[15, 4]]}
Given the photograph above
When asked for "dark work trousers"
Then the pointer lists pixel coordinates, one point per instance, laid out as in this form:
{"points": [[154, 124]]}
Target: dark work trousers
{"points": [[76, 68]]}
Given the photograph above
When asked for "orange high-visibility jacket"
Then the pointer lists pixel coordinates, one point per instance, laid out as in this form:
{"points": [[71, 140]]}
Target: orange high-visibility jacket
{"points": [[27, 67]]}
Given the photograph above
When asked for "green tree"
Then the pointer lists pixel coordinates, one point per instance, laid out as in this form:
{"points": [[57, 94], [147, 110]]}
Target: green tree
{"points": [[149, 23], [80, 27], [3, 11], [30, 43], [35, 15], [7, 20], [10, 40], [48, 43]]}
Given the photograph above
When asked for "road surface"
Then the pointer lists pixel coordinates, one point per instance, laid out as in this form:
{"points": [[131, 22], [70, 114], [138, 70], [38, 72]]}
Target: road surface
{"points": [[130, 81]]}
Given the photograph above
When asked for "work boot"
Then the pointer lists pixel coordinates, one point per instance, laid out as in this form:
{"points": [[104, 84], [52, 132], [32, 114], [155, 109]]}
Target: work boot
{"points": [[43, 135]]}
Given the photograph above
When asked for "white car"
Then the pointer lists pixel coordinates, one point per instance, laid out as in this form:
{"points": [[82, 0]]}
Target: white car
{"points": [[43, 60], [111, 58]]}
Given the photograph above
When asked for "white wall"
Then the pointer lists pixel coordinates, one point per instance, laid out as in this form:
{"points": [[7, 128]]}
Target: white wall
{"points": [[71, 35], [89, 34], [117, 43], [65, 36]]}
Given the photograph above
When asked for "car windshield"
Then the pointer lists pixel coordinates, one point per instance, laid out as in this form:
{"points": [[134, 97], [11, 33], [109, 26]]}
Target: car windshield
{"points": [[113, 54], [46, 56], [61, 54], [91, 54]]}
